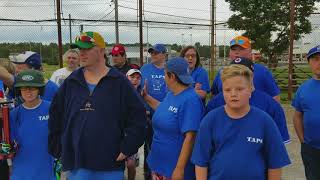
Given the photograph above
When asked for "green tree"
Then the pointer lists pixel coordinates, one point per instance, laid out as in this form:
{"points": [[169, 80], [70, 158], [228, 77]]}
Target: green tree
{"points": [[266, 22]]}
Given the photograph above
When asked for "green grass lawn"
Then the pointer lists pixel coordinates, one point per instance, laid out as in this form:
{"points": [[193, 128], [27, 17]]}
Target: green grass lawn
{"points": [[49, 69]]}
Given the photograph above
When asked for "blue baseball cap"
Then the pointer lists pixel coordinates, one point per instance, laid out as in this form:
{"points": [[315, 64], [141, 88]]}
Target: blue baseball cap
{"points": [[159, 48], [313, 51], [33, 59], [180, 67]]}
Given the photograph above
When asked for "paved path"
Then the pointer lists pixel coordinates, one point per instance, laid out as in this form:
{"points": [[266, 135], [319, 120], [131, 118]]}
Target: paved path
{"points": [[293, 172]]}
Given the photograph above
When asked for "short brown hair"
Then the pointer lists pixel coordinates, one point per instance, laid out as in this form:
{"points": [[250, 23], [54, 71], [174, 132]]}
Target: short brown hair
{"points": [[235, 70]]}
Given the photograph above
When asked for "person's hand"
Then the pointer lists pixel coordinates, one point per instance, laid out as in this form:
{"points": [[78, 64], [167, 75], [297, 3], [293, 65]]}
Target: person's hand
{"points": [[154, 176], [198, 86], [178, 174], [121, 157], [144, 91]]}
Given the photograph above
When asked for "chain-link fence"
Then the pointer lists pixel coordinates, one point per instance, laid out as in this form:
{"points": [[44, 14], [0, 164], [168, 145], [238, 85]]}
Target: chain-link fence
{"points": [[32, 25]]}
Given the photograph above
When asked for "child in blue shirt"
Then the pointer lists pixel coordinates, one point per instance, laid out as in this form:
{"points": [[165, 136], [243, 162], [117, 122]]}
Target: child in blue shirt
{"points": [[307, 117], [29, 128], [238, 141]]}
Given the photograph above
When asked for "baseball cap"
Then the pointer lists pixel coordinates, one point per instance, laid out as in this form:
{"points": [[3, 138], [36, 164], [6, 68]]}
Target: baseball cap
{"points": [[243, 61], [132, 71], [159, 48], [30, 78], [28, 57], [241, 41], [118, 49], [88, 40], [313, 51], [179, 67]]}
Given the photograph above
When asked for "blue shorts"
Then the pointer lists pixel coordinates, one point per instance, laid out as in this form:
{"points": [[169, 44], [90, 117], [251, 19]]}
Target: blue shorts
{"points": [[85, 174]]}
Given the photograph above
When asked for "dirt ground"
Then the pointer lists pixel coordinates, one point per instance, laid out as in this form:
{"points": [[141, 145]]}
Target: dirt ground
{"points": [[294, 171]]}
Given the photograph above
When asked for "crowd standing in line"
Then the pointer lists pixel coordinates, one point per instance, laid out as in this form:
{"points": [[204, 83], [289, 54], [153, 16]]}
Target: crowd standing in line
{"points": [[97, 118]]}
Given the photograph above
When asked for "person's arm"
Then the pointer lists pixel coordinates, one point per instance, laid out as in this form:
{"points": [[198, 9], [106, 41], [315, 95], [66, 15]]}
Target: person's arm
{"points": [[201, 173], [184, 156], [277, 98], [152, 102], [274, 174], [6, 77], [298, 125]]}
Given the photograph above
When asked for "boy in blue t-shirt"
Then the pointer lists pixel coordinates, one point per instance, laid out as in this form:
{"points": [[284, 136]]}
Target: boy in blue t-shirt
{"points": [[260, 100], [238, 141], [307, 117], [29, 129]]}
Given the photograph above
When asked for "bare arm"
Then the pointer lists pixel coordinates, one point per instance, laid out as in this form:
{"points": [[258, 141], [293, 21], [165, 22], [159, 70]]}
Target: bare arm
{"points": [[201, 173], [185, 154], [152, 102], [298, 124], [274, 174], [6, 77], [201, 93]]}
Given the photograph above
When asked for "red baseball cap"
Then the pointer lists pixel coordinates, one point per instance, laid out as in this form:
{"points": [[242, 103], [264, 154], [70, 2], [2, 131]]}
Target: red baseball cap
{"points": [[118, 49]]}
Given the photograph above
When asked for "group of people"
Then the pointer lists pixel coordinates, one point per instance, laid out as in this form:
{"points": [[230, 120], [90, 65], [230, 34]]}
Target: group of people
{"points": [[91, 118]]}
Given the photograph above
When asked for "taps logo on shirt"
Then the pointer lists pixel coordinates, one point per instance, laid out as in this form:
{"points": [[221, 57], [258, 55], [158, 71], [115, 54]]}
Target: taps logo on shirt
{"points": [[173, 109], [44, 118], [254, 140], [88, 107], [157, 76]]}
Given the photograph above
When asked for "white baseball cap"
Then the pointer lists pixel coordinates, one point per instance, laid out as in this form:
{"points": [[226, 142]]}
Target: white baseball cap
{"points": [[132, 71]]}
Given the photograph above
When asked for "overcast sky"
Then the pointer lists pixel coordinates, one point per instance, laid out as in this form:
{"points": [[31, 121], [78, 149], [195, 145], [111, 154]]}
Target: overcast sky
{"points": [[104, 9]]}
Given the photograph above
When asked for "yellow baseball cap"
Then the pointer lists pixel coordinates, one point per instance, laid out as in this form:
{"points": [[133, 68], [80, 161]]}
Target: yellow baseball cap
{"points": [[88, 40], [241, 41]]}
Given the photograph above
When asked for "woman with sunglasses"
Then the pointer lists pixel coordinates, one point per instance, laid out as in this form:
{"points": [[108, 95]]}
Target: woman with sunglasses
{"points": [[198, 73]]}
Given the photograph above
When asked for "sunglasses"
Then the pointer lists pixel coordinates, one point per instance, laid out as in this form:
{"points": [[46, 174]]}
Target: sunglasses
{"points": [[237, 41], [85, 38]]}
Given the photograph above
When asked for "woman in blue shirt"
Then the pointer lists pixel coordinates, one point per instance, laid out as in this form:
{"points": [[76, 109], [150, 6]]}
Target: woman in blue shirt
{"points": [[198, 73], [175, 123]]}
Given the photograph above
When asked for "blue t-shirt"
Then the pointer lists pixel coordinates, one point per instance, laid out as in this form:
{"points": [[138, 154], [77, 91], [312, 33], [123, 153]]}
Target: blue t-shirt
{"points": [[85, 174], [50, 90], [29, 128], [175, 115], [306, 101], [243, 148], [264, 102], [262, 80], [155, 81], [200, 75]]}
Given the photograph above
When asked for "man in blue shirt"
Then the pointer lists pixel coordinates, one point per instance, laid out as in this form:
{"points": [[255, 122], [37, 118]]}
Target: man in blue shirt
{"points": [[97, 119], [240, 46], [307, 117], [24, 61], [153, 78]]}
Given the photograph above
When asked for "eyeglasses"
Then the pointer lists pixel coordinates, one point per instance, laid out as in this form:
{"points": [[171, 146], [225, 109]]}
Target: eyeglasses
{"points": [[190, 56], [28, 88], [85, 38], [237, 41]]}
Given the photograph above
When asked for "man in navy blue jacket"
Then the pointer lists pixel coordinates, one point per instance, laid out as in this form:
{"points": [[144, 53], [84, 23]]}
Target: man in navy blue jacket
{"points": [[96, 118]]}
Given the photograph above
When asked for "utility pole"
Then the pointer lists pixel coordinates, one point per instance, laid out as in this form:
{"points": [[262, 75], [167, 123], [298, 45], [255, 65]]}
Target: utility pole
{"points": [[141, 32], [70, 29], [292, 17], [81, 28], [116, 19], [59, 34], [213, 53]]}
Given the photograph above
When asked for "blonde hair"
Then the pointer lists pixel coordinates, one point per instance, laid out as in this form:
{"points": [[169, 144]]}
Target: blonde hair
{"points": [[8, 65], [236, 70], [75, 51]]}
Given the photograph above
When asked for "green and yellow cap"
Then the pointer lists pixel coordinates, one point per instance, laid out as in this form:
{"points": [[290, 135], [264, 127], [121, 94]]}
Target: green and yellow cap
{"points": [[88, 40]]}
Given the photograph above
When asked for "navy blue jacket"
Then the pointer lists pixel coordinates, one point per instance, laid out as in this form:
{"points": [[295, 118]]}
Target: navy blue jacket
{"points": [[89, 130]]}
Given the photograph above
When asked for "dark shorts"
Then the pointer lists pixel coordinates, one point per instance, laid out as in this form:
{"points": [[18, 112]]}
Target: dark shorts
{"points": [[311, 161]]}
